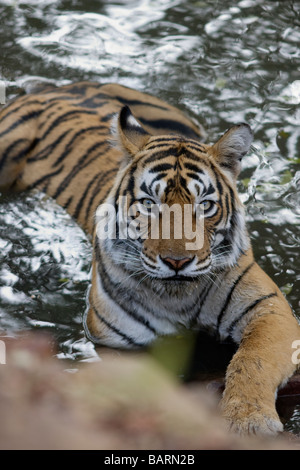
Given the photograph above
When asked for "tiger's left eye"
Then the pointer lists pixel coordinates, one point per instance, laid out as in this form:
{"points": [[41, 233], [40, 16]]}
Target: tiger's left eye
{"points": [[206, 205]]}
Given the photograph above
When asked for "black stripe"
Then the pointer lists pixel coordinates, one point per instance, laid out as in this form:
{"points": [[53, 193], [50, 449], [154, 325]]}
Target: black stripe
{"points": [[68, 148], [56, 99], [111, 288], [254, 304], [92, 102], [44, 178], [68, 202], [203, 299], [200, 302], [233, 219], [104, 177], [157, 147], [26, 151], [229, 295], [128, 339], [183, 185], [79, 88], [160, 142], [193, 167], [149, 265], [161, 167], [158, 177], [48, 106], [22, 120], [160, 155], [65, 117], [78, 167], [209, 190], [171, 126], [227, 208], [10, 149], [144, 188], [194, 176], [130, 187], [220, 212], [219, 185], [107, 117], [117, 194], [200, 261], [83, 196], [195, 145], [17, 108], [44, 153], [213, 215], [227, 166], [195, 158], [139, 103]]}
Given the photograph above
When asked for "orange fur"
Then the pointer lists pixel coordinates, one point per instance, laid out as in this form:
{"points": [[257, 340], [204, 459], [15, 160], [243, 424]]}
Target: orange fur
{"points": [[59, 140]]}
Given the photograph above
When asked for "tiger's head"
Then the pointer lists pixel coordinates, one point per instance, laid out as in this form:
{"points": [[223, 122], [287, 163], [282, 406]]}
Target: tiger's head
{"points": [[183, 195]]}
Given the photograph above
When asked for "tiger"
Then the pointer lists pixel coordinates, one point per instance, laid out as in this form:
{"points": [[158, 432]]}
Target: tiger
{"points": [[90, 145]]}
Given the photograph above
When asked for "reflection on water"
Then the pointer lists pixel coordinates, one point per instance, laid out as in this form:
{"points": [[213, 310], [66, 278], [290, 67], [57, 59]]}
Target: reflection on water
{"points": [[44, 272], [221, 62]]}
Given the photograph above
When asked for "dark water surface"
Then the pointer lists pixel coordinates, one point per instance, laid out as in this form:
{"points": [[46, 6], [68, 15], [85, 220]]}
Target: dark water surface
{"points": [[221, 62]]}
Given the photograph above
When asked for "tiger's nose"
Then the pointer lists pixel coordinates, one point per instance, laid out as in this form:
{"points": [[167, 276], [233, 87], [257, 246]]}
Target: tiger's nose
{"points": [[176, 264]]}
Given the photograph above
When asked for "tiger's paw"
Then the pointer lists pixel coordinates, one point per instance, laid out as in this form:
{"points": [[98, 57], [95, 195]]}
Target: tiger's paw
{"points": [[245, 421]]}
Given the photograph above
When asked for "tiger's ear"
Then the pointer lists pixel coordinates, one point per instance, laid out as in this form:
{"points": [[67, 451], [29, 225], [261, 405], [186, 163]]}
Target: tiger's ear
{"points": [[232, 147], [132, 136]]}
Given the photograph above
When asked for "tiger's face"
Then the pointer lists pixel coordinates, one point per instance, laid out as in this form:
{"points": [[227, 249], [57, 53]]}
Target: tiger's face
{"points": [[183, 215]]}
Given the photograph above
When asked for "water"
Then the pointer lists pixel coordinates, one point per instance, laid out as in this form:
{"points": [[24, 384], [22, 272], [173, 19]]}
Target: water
{"points": [[222, 62]]}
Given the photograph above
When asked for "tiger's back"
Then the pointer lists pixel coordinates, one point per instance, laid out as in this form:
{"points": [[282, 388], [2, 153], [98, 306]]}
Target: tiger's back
{"points": [[59, 141]]}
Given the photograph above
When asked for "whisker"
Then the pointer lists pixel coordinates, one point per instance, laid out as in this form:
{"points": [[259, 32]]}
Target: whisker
{"points": [[135, 273], [220, 255], [143, 279], [128, 244], [208, 276]]}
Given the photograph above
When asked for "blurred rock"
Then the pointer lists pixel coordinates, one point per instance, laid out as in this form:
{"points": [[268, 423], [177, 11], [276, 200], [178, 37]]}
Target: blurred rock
{"points": [[122, 402]]}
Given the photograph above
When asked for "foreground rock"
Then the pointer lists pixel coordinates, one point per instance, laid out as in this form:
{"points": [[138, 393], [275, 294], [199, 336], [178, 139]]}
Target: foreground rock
{"points": [[122, 402]]}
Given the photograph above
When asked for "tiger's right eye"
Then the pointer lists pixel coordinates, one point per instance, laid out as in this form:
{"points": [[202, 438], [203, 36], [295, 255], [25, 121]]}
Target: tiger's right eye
{"points": [[147, 203]]}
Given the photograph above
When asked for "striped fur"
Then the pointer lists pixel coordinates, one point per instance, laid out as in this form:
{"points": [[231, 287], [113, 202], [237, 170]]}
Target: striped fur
{"points": [[85, 145]]}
